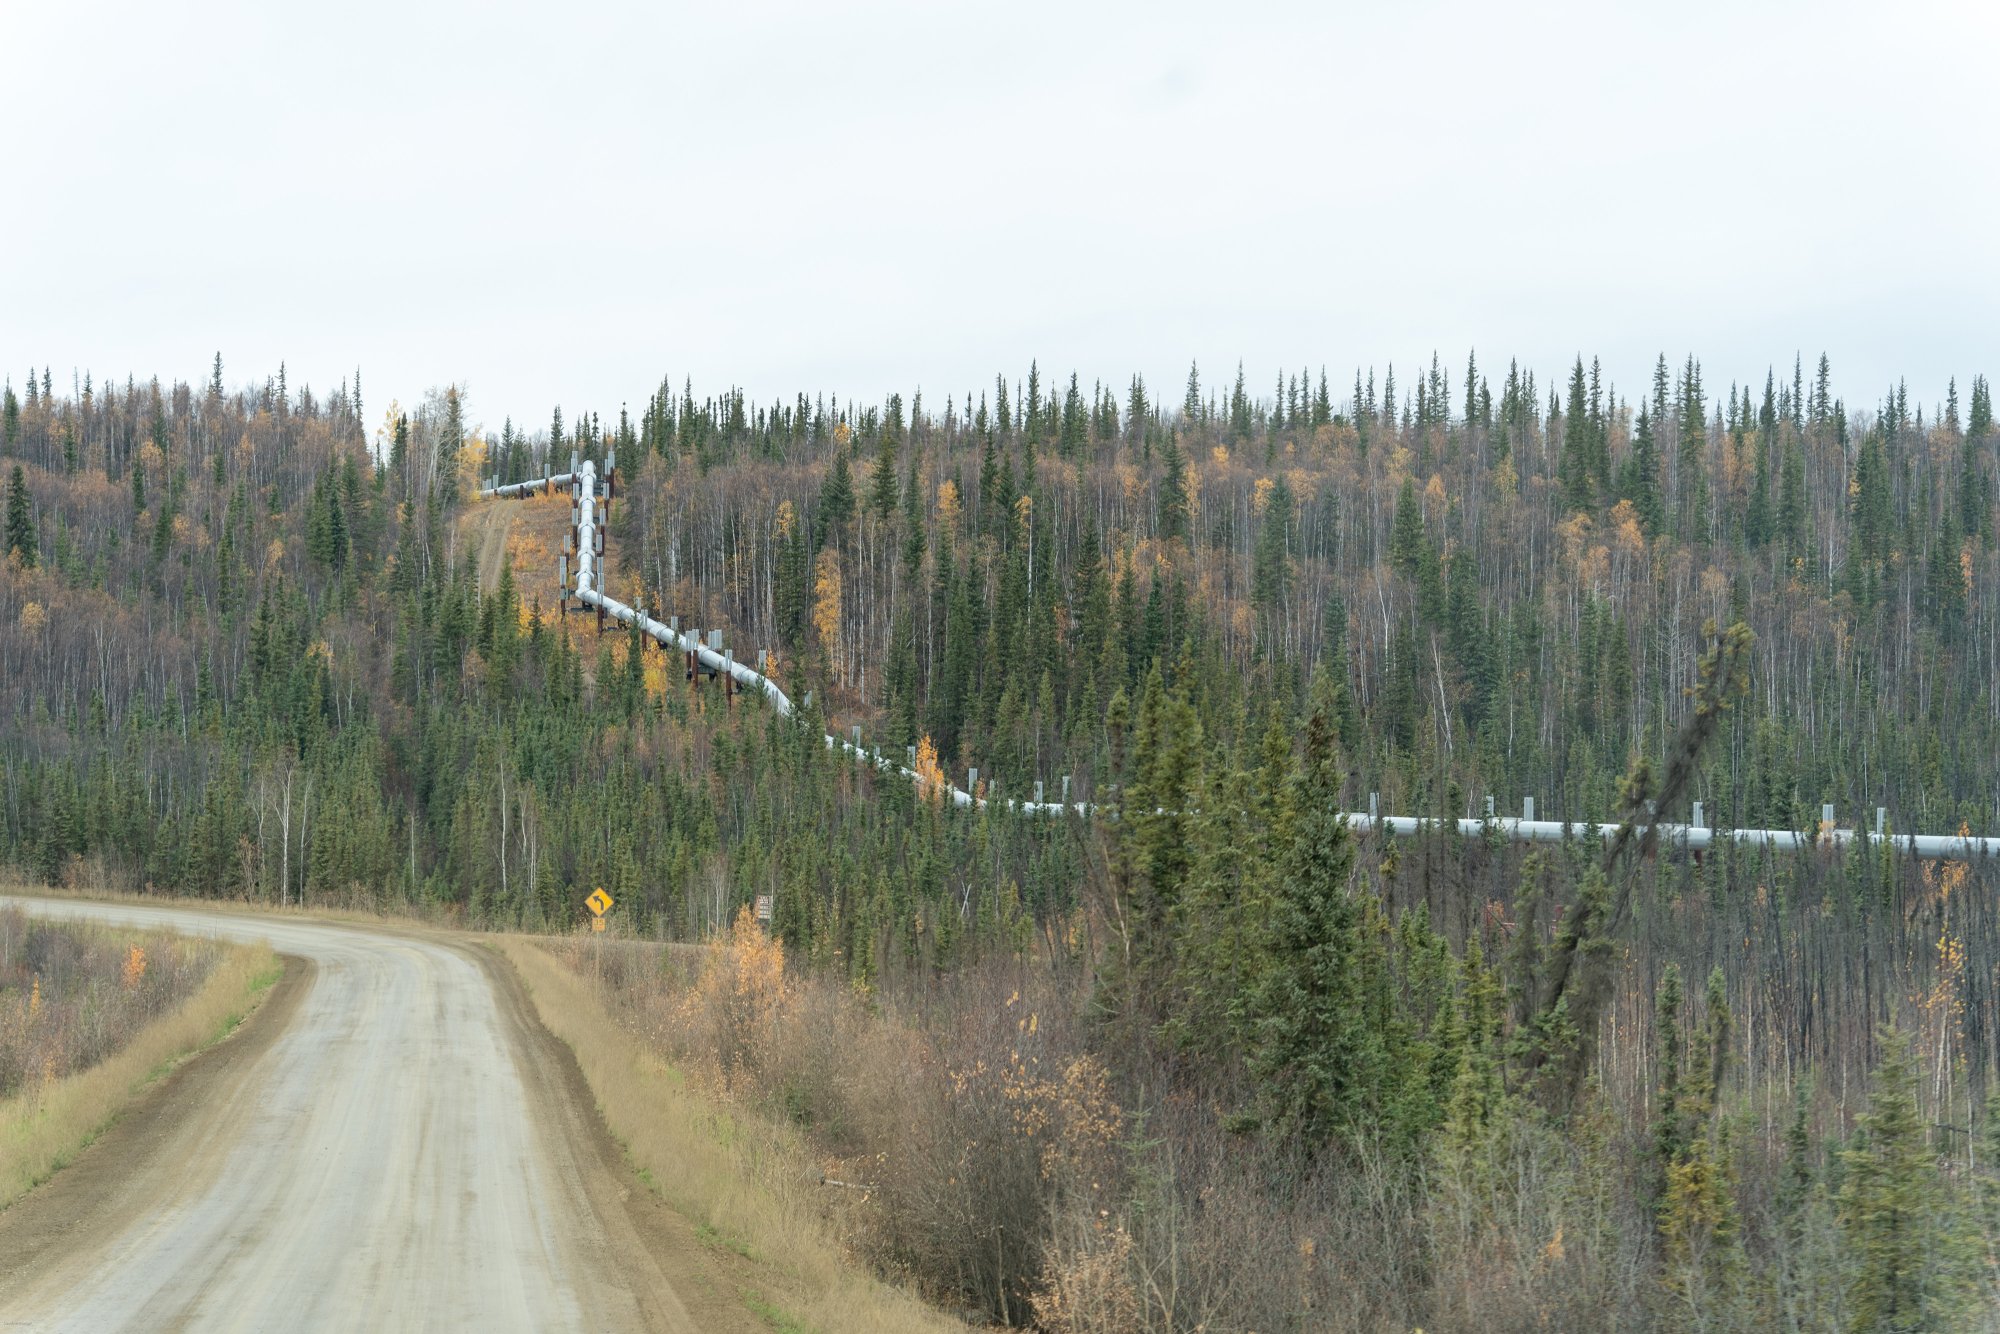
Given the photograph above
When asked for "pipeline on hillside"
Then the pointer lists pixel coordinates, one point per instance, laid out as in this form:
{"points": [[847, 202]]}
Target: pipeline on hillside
{"points": [[585, 585]]}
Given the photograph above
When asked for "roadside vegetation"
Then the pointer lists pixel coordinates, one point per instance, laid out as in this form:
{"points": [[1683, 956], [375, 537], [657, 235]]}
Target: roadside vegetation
{"points": [[90, 1016], [977, 1143], [747, 1181]]}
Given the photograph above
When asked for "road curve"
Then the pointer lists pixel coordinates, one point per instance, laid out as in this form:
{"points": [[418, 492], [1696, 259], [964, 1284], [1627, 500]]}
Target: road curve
{"points": [[396, 1157]]}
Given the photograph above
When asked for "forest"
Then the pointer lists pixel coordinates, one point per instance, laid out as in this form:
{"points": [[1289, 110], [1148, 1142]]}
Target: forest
{"points": [[257, 645]]}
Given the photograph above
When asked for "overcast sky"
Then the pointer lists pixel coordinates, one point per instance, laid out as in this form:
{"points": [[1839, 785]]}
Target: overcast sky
{"points": [[563, 202]]}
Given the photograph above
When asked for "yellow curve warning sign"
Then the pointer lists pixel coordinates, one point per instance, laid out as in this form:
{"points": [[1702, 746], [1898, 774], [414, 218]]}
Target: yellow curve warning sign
{"points": [[599, 902]]}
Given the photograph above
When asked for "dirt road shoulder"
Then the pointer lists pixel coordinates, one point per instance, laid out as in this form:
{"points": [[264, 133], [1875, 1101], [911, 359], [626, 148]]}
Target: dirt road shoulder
{"points": [[206, 1056]]}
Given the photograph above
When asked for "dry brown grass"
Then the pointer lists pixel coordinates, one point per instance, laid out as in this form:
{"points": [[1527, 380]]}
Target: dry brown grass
{"points": [[50, 1121], [749, 1178]]}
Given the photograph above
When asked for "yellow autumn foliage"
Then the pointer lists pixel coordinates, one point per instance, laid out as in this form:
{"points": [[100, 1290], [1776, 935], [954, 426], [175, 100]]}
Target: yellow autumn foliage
{"points": [[931, 780], [826, 600]]}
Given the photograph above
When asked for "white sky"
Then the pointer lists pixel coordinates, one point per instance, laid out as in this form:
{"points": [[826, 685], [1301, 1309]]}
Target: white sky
{"points": [[561, 202]]}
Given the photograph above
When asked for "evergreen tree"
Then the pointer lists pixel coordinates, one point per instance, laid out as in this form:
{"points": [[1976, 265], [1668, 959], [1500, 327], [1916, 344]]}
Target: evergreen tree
{"points": [[1271, 568], [1033, 424], [399, 454], [1792, 499], [1870, 501], [1642, 476], [882, 486], [1578, 447], [1239, 409], [1152, 856], [1692, 520], [450, 442], [1173, 517], [1138, 412], [1886, 1207], [1075, 427], [20, 520], [836, 499], [1315, 1054], [1407, 544]]}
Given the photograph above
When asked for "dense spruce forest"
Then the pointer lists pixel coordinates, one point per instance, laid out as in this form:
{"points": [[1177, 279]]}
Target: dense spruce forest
{"points": [[257, 644]]}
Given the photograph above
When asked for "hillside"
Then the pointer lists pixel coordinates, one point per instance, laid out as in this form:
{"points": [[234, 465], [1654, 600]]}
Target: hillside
{"points": [[252, 650]]}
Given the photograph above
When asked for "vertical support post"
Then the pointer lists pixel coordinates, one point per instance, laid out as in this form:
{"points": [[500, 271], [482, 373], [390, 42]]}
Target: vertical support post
{"points": [[1374, 801], [1038, 791], [855, 732], [1826, 815], [1697, 817], [1881, 819], [1528, 809], [1065, 791], [972, 781], [1489, 808]]}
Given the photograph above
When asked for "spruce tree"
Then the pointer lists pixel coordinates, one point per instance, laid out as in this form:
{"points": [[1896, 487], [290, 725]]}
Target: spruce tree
{"points": [[1137, 410], [836, 499], [1173, 518], [1271, 565], [1074, 430], [1887, 1203], [1792, 499], [1642, 475], [1317, 1058], [450, 441], [1407, 544], [882, 487], [1578, 448], [20, 520]]}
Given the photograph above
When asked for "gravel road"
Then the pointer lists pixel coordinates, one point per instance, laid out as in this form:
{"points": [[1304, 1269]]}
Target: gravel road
{"points": [[397, 1150]]}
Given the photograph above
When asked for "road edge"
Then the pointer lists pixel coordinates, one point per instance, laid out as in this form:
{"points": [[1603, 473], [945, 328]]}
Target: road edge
{"points": [[707, 1164], [106, 1179], [42, 1133]]}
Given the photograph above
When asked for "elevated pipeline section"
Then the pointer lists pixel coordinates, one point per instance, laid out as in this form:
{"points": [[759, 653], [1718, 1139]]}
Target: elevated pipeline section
{"points": [[585, 584]]}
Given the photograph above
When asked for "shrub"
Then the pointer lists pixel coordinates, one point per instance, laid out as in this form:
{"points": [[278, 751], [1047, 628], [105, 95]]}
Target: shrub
{"points": [[72, 993]]}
